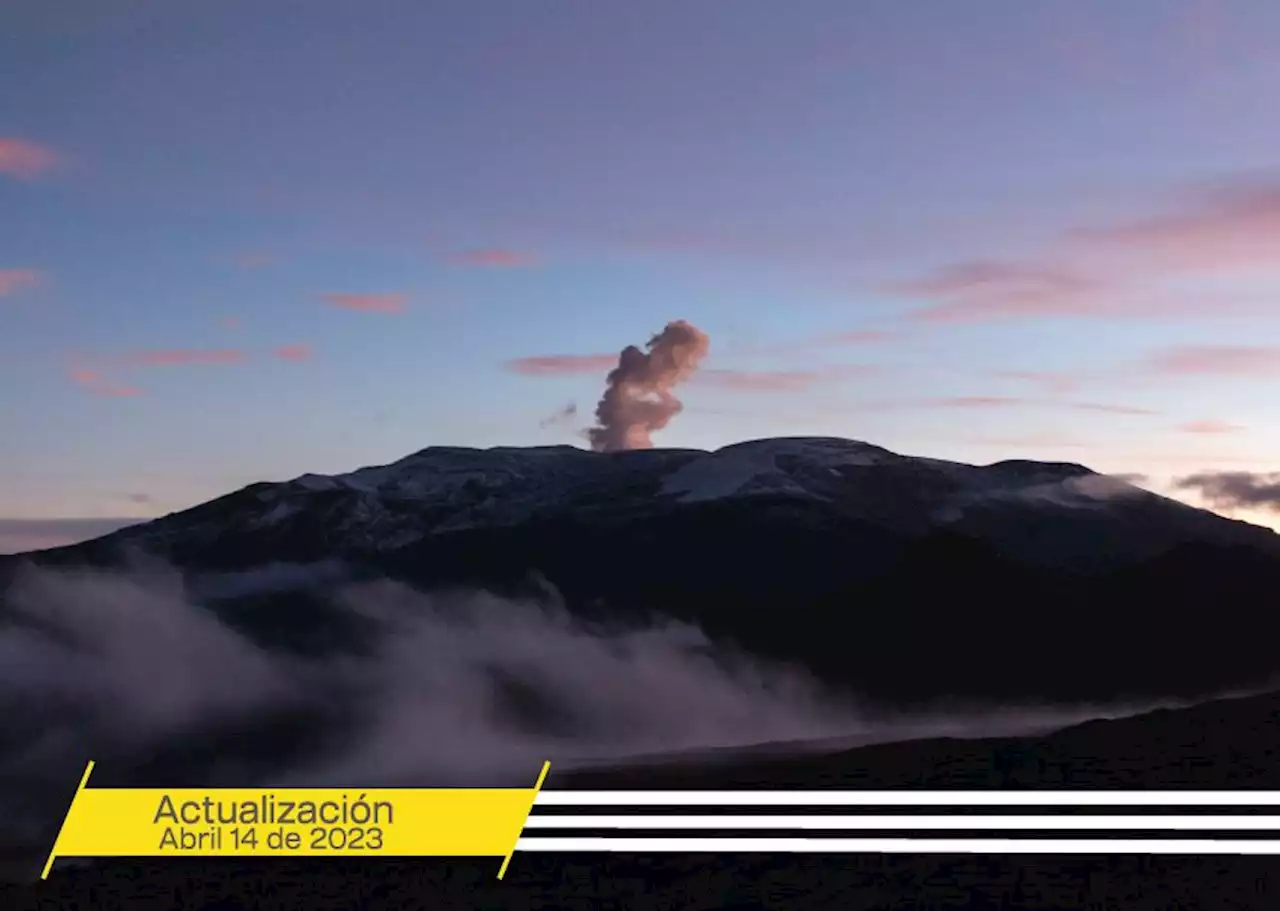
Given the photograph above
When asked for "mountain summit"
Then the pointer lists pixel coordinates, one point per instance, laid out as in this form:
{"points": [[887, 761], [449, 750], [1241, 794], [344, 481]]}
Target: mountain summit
{"points": [[1048, 512]]}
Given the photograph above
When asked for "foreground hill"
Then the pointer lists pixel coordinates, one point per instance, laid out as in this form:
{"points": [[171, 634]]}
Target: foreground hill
{"points": [[1224, 744], [907, 578]]}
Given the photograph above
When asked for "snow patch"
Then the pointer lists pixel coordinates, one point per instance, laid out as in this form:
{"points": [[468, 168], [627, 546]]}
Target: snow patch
{"points": [[753, 467], [1075, 491], [278, 513]]}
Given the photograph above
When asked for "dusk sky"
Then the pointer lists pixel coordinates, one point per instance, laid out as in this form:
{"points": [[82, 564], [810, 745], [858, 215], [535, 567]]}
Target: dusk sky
{"points": [[244, 240]]}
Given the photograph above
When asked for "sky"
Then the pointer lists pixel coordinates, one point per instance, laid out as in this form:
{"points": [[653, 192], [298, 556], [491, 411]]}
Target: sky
{"points": [[243, 241]]}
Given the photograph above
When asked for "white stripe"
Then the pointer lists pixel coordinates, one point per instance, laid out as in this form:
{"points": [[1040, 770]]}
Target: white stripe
{"points": [[1168, 823], [910, 798], [900, 845]]}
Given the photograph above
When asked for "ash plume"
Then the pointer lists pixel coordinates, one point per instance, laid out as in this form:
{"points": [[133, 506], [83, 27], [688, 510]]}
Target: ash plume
{"points": [[638, 400]]}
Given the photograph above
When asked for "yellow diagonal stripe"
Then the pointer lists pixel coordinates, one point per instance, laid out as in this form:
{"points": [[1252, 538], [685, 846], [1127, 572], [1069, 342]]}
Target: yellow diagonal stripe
{"points": [[255, 822], [542, 777], [53, 852]]}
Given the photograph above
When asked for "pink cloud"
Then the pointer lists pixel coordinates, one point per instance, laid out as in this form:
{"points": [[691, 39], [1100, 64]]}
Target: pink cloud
{"points": [[775, 380], [1111, 409], [1116, 269], [231, 323], [1050, 381], [1236, 227], [369, 303], [14, 280], [735, 380], [95, 374], [563, 364], [26, 160], [183, 357], [296, 353], [1008, 401], [978, 401], [1235, 360], [982, 290], [95, 383], [1209, 426], [495, 258]]}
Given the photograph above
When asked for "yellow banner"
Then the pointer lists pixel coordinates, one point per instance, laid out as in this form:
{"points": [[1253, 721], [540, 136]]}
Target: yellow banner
{"points": [[258, 822]]}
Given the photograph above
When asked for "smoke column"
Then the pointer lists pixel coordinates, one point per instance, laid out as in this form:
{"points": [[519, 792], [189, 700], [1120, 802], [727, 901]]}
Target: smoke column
{"points": [[638, 399]]}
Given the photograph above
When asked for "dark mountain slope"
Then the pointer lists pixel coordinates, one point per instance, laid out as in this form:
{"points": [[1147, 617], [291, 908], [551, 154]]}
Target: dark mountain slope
{"points": [[906, 578]]}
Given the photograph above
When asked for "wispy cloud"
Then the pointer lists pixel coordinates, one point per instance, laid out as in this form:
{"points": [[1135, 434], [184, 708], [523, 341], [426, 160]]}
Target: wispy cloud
{"points": [[1231, 227], [1116, 269], [369, 303], [726, 379], [1049, 381], [982, 290], [495, 258], [1229, 360], [1209, 426], [975, 401], [1010, 401], [1235, 489], [1110, 409], [26, 160], [95, 383], [101, 375], [231, 323], [296, 353], [560, 416], [563, 364], [15, 280]]}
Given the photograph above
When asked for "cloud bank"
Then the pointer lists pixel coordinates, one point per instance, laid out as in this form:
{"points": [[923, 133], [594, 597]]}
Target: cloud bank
{"points": [[1235, 489], [168, 680]]}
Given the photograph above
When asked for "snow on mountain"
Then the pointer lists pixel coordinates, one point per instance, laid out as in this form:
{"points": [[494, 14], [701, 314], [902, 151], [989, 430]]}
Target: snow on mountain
{"points": [[754, 468], [448, 489]]}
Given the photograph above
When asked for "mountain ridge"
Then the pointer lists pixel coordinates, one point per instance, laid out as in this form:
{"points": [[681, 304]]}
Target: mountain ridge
{"points": [[442, 489], [905, 578]]}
